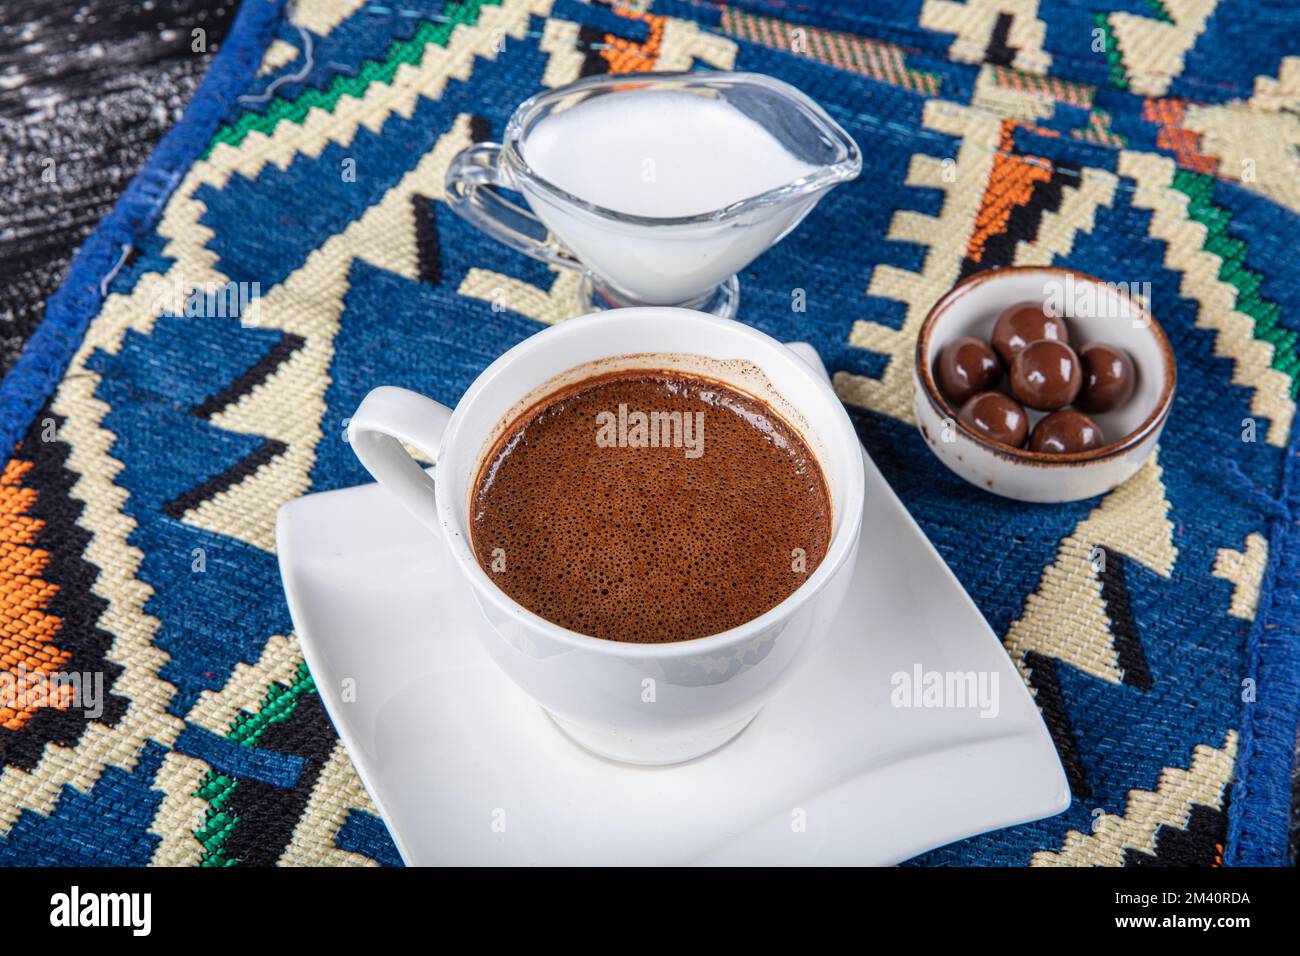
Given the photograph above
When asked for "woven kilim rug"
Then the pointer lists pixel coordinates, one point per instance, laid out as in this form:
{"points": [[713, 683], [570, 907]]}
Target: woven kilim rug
{"points": [[151, 433]]}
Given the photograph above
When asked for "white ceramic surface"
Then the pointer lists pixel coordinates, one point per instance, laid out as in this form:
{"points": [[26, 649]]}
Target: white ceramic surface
{"points": [[465, 769], [1131, 431], [705, 690]]}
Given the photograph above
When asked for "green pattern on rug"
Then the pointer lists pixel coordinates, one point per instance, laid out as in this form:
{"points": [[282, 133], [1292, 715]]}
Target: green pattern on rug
{"points": [[1199, 190], [401, 52], [1118, 75], [217, 789]]}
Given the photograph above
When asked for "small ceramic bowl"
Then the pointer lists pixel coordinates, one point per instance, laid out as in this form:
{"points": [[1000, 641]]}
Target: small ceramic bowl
{"points": [[1096, 312]]}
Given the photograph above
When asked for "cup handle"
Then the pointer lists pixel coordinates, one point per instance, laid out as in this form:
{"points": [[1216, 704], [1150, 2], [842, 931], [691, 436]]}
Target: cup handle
{"points": [[473, 173], [387, 417]]}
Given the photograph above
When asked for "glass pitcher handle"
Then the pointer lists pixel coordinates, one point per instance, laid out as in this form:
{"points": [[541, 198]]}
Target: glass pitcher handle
{"points": [[470, 180]]}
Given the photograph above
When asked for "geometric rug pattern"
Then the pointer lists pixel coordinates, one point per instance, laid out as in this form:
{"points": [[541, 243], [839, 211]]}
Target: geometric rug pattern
{"points": [[288, 248]]}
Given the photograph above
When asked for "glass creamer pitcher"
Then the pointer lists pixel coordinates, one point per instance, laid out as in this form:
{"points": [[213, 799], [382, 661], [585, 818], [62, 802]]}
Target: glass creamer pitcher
{"points": [[657, 187]]}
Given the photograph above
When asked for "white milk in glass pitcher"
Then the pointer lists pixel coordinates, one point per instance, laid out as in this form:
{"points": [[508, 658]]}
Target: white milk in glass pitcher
{"points": [[658, 187]]}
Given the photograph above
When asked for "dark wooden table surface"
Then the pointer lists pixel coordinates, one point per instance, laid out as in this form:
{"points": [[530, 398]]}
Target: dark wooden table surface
{"points": [[87, 88]]}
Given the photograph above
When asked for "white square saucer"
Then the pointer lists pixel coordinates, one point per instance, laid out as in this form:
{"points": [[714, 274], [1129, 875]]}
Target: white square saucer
{"points": [[467, 770]]}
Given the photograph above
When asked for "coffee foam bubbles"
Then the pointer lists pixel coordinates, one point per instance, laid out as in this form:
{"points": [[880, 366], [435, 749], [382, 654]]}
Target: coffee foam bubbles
{"points": [[644, 544]]}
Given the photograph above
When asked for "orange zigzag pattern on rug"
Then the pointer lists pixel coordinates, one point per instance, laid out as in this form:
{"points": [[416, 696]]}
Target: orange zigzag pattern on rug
{"points": [[28, 655], [1185, 144], [1011, 184], [625, 56]]}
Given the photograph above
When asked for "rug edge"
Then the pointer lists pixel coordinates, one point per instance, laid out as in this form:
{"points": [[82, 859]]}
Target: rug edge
{"points": [[1259, 819]]}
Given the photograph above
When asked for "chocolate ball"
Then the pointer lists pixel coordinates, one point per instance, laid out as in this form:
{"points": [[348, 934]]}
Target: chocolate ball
{"points": [[1022, 324], [967, 366], [1065, 431], [1108, 378], [1046, 375], [996, 416]]}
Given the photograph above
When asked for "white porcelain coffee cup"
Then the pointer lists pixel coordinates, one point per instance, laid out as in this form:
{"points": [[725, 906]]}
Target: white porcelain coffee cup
{"points": [[638, 703]]}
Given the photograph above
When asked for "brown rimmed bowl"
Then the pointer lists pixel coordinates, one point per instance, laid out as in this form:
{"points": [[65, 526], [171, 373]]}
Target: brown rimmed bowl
{"points": [[1096, 311]]}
